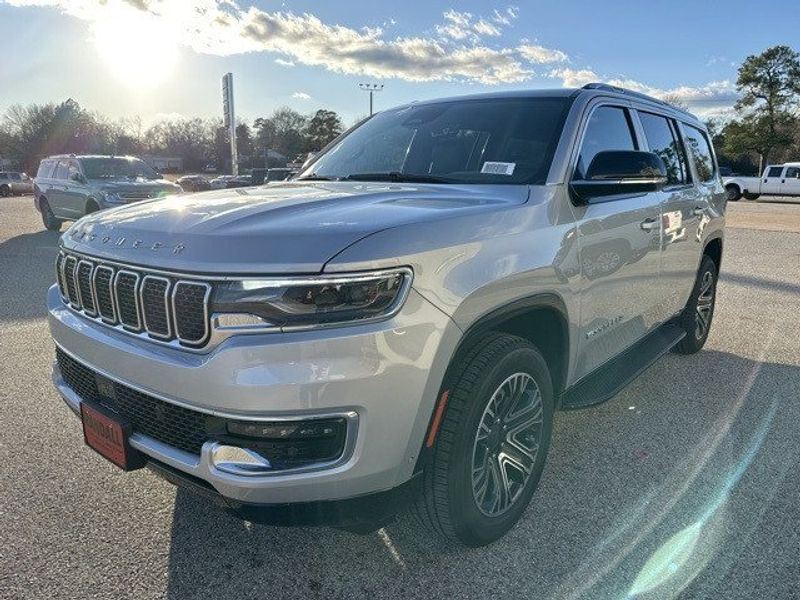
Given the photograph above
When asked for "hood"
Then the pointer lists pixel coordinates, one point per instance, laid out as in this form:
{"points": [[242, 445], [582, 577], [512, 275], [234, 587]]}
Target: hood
{"points": [[279, 228]]}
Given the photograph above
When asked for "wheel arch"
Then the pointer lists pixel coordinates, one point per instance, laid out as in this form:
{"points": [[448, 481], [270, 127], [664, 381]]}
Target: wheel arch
{"points": [[541, 319], [713, 249], [90, 201]]}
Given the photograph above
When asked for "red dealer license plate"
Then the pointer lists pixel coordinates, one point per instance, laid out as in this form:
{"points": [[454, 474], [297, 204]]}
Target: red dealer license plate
{"points": [[108, 437]]}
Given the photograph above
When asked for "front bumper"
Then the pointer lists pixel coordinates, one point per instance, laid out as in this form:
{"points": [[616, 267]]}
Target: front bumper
{"points": [[383, 376]]}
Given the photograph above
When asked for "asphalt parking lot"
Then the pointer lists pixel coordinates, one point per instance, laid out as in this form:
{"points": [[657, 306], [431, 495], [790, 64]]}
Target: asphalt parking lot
{"points": [[685, 484]]}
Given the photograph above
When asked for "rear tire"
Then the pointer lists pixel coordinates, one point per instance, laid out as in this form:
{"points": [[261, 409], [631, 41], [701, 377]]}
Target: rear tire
{"points": [[49, 220], [734, 193], [492, 443], [696, 318]]}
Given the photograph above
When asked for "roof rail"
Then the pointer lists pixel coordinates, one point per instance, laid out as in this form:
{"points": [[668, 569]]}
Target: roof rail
{"points": [[620, 90]]}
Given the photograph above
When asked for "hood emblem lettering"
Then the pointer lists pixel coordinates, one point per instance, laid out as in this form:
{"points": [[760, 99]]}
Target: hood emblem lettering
{"points": [[123, 242]]}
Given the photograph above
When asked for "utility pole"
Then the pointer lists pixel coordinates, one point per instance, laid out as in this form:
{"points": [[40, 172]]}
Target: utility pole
{"points": [[230, 119], [371, 88]]}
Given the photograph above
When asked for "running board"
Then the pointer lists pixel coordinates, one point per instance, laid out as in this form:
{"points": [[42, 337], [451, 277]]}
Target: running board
{"points": [[608, 380]]}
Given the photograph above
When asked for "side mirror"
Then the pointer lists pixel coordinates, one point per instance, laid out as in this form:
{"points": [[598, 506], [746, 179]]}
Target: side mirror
{"points": [[619, 172], [77, 177]]}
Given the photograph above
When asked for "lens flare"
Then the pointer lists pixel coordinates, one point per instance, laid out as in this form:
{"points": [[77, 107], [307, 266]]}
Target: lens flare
{"points": [[140, 51]]}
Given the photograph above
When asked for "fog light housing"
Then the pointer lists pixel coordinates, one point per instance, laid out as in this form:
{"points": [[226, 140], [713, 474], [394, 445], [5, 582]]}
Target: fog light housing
{"points": [[286, 444]]}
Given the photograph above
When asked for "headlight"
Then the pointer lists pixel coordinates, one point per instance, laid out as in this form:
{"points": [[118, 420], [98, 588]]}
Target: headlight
{"points": [[112, 197], [311, 301]]}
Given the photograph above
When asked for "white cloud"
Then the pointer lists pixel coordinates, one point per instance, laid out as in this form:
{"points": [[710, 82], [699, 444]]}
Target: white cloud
{"points": [[301, 96], [223, 28], [541, 55], [284, 63], [505, 17], [460, 26], [715, 98]]}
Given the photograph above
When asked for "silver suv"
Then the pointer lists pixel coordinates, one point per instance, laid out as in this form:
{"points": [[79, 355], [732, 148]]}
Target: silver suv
{"points": [[68, 187], [402, 322]]}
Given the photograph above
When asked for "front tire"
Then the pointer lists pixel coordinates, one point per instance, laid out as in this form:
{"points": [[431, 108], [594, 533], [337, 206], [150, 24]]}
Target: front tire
{"points": [[734, 193], [697, 316], [492, 443], [49, 220], [5, 191]]}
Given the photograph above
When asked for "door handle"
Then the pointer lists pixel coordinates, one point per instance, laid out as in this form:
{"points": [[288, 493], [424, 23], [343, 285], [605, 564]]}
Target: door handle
{"points": [[650, 224]]}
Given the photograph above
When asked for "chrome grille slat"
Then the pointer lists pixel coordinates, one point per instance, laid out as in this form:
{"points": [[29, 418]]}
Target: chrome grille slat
{"points": [[103, 284], [162, 307], [62, 289], [155, 301], [126, 297], [68, 267], [84, 284], [189, 298]]}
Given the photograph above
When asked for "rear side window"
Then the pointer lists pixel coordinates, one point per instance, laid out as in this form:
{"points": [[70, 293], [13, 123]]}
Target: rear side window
{"points": [[774, 171], [662, 138], [792, 172], [609, 128], [700, 149], [62, 170]]}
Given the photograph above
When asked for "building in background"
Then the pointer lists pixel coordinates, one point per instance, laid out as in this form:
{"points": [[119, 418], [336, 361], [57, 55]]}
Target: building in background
{"points": [[164, 164]]}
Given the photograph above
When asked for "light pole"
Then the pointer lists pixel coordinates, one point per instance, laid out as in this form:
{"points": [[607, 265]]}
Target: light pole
{"points": [[371, 88]]}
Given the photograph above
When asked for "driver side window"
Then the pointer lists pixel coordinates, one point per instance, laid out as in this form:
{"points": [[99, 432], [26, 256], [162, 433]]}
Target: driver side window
{"points": [[609, 128]]}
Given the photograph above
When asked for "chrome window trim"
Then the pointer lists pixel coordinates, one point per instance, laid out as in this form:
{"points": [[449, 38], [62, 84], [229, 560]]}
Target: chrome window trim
{"points": [[91, 287], [112, 296], [168, 310], [206, 321], [138, 328]]}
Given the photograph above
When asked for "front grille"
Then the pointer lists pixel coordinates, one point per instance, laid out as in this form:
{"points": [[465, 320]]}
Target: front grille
{"points": [[166, 308], [131, 196], [173, 425]]}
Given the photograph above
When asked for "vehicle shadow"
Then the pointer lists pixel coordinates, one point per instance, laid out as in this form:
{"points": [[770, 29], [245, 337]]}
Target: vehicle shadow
{"points": [[654, 494], [27, 263]]}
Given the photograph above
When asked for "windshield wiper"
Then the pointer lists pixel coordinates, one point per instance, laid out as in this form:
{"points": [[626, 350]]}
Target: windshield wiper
{"points": [[315, 177], [396, 177]]}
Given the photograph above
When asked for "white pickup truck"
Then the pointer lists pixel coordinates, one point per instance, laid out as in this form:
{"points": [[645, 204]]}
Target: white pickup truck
{"points": [[777, 180]]}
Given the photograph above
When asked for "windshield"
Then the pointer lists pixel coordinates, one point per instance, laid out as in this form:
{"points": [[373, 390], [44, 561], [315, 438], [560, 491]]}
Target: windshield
{"points": [[497, 140], [117, 168]]}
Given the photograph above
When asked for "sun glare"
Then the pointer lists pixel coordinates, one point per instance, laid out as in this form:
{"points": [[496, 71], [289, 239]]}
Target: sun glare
{"points": [[140, 52]]}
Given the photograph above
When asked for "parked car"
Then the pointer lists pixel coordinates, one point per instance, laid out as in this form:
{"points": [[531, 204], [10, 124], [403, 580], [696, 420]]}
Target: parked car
{"points": [[193, 183], [777, 180], [67, 187], [221, 182], [239, 181], [13, 183], [280, 174], [399, 324]]}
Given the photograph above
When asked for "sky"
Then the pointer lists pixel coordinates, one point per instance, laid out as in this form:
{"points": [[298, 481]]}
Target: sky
{"points": [[155, 59]]}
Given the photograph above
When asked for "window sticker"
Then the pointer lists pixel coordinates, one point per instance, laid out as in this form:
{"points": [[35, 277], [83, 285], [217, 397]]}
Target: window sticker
{"points": [[498, 168]]}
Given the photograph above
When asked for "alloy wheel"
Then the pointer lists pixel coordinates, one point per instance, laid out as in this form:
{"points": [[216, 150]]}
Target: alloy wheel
{"points": [[705, 305], [506, 444]]}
